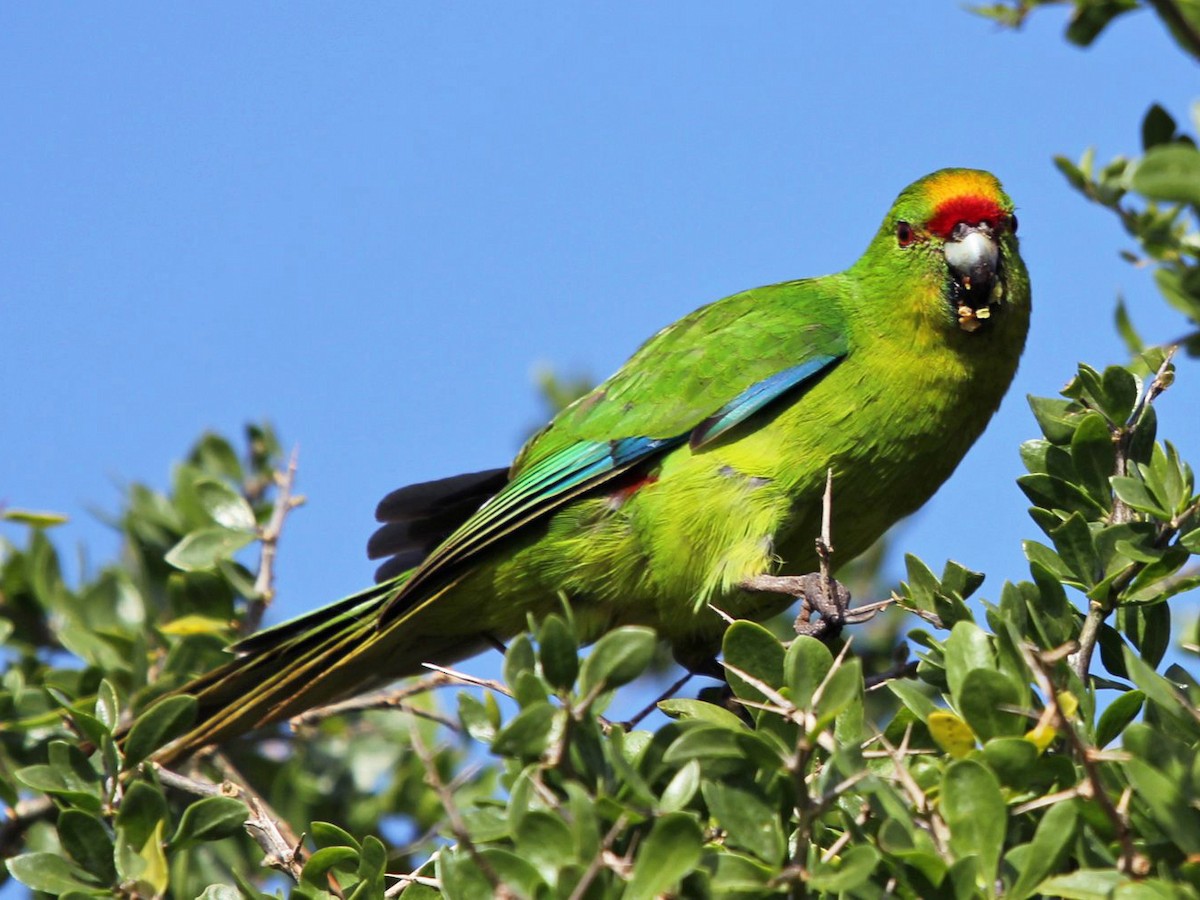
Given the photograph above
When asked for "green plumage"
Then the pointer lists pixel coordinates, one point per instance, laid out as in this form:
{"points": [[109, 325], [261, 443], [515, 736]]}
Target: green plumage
{"points": [[699, 464]]}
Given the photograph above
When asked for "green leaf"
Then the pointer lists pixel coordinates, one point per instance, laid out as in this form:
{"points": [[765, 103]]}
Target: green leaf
{"points": [[1119, 713], [1055, 417], [1073, 541], [750, 648], [805, 666], [219, 892], [326, 834], [1054, 832], [974, 812], [844, 686], [1089, 19], [1156, 688], [108, 708], [33, 518], [518, 658], [1125, 328], [163, 722], [1012, 759], [1169, 172], [558, 653], [1134, 494], [460, 878], [748, 821], [702, 712], [526, 735], [516, 873], [47, 872], [1094, 456], [142, 810], [915, 699], [1149, 628], [714, 742], [85, 837], [1049, 492], [476, 717], [544, 840], [140, 824], [681, 788], [958, 579], [203, 549], [967, 648], [670, 852], [68, 775], [987, 699], [845, 873], [617, 658], [1167, 802], [210, 819], [1158, 127], [318, 866], [225, 506], [1084, 884]]}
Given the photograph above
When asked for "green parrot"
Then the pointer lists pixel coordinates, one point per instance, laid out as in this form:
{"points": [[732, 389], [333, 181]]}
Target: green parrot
{"points": [[678, 488]]}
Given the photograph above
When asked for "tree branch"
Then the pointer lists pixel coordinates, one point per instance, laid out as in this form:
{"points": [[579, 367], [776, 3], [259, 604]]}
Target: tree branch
{"points": [[283, 853], [264, 583]]}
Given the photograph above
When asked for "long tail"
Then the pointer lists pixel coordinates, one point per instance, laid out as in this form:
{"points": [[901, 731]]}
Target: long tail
{"points": [[281, 671], [340, 649]]}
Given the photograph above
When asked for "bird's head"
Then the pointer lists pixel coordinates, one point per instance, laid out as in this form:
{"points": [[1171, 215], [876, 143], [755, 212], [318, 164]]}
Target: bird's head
{"points": [[956, 230]]}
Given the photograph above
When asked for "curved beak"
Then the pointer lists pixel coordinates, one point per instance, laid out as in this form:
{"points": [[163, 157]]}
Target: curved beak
{"points": [[972, 253]]}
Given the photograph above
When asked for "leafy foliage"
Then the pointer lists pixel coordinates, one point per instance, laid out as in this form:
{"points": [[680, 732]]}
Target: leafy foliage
{"points": [[1032, 747]]}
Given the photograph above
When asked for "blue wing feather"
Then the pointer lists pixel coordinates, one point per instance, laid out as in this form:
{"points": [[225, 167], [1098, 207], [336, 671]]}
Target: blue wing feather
{"points": [[755, 397]]}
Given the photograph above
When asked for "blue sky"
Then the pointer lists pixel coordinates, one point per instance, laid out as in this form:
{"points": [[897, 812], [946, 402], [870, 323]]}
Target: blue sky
{"points": [[371, 223]]}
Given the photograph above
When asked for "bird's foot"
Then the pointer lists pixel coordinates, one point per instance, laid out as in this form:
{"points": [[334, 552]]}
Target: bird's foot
{"points": [[820, 594]]}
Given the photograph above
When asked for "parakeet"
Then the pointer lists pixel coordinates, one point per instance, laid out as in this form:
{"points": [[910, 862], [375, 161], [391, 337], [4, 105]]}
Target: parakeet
{"points": [[698, 466]]}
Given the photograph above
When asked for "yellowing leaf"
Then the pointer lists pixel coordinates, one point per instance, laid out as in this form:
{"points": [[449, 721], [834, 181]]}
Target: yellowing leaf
{"points": [[951, 733], [194, 624], [1041, 736], [1068, 703], [36, 518]]}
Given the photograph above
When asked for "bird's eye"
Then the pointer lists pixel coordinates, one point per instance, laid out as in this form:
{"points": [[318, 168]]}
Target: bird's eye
{"points": [[1012, 223], [904, 233]]}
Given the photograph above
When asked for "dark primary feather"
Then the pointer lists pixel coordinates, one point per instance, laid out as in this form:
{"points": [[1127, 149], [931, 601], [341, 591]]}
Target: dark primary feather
{"points": [[418, 517]]}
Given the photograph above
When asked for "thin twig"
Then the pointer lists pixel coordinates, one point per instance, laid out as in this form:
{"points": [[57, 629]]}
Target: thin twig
{"points": [[464, 678], [825, 541], [597, 863], [283, 853], [906, 669], [387, 699], [457, 824], [264, 583], [653, 704], [1130, 861]]}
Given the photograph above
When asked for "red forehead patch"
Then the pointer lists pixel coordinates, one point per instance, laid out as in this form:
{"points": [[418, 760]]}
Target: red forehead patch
{"points": [[969, 208]]}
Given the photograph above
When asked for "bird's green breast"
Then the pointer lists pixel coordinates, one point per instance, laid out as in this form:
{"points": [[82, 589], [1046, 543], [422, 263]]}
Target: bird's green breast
{"points": [[893, 419]]}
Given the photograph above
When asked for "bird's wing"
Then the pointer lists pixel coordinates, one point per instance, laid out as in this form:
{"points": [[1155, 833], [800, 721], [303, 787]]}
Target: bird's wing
{"points": [[692, 382]]}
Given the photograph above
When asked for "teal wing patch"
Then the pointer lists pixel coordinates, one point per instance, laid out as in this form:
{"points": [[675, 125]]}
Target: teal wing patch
{"points": [[755, 397]]}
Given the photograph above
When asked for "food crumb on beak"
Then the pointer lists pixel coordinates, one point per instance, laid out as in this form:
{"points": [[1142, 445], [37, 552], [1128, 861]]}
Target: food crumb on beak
{"points": [[969, 319]]}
